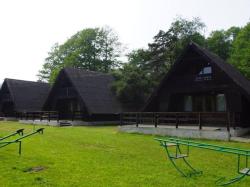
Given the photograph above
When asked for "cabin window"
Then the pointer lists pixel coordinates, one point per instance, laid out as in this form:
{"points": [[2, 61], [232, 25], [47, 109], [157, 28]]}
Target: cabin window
{"points": [[188, 104], [220, 103], [206, 70], [205, 74]]}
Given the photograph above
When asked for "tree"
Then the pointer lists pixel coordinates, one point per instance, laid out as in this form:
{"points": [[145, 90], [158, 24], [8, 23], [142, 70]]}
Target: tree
{"points": [[133, 82], [220, 41], [136, 80], [167, 45], [95, 49], [132, 86], [240, 55]]}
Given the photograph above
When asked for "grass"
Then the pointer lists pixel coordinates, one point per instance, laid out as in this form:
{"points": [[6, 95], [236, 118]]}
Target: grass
{"points": [[101, 156]]}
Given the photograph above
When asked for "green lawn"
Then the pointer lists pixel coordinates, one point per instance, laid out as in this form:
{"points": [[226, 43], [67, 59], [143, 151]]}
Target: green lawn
{"points": [[101, 156]]}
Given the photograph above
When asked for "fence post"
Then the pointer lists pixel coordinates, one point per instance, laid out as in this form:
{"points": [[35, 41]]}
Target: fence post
{"points": [[176, 121], [200, 123], [234, 120], [156, 119], [229, 121], [137, 119], [49, 116], [72, 116], [121, 122]]}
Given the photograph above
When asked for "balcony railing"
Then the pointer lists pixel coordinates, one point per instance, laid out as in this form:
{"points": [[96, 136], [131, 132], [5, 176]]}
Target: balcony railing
{"points": [[200, 119]]}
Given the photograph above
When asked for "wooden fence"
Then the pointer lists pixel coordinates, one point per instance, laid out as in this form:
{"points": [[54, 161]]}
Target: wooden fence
{"points": [[200, 119], [38, 115]]}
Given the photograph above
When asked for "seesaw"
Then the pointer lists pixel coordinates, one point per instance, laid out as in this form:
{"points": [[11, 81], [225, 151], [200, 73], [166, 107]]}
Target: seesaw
{"points": [[178, 154], [18, 140]]}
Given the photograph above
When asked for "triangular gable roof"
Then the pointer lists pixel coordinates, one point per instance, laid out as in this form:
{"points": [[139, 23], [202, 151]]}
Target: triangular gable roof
{"points": [[27, 95], [233, 73], [94, 88]]}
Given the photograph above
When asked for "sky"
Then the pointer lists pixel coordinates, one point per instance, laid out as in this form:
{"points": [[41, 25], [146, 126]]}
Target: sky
{"points": [[29, 28]]}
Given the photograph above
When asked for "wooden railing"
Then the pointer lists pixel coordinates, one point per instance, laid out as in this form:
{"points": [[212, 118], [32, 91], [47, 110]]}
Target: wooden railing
{"points": [[49, 115], [38, 115], [77, 115], [200, 119]]}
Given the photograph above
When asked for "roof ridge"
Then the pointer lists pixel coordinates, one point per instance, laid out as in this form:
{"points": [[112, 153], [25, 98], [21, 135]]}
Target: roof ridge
{"points": [[85, 70], [11, 79]]}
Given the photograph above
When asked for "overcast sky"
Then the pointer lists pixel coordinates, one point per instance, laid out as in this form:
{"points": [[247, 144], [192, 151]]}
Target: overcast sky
{"points": [[29, 28]]}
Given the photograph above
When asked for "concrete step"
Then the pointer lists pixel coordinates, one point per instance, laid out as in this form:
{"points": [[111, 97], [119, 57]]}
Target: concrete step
{"points": [[241, 139], [65, 123]]}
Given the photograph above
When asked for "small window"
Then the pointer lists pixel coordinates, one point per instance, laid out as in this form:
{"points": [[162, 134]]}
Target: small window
{"points": [[188, 104], [206, 70], [220, 103], [205, 74]]}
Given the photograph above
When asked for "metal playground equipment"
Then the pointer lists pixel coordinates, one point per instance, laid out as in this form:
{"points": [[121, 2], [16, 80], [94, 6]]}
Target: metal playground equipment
{"points": [[4, 143], [179, 154]]}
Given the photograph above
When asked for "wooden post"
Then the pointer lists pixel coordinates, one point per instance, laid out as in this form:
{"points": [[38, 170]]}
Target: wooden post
{"points": [[176, 121], [156, 119], [72, 116], [137, 119], [234, 121], [229, 121], [49, 116], [121, 119], [200, 122]]}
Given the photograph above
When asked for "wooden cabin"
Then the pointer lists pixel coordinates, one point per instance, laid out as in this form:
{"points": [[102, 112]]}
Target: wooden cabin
{"points": [[200, 81], [18, 96], [78, 94]]}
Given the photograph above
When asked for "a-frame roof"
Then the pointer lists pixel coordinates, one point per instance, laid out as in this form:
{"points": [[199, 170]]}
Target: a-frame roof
{"points": [[94, 89], [241, 81], [27, 95]]}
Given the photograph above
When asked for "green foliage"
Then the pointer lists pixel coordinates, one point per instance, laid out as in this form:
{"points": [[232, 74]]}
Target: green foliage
{"points": [[167, 45], [146, 67], [220, 41], [132, 86], [91, 49], [240, 55], [98, 49], [103, 157]]}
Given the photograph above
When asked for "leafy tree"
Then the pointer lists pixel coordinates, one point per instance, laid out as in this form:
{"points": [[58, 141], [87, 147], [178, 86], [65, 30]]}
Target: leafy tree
{"points": [[133, 82], [136, 80], [220, 41], [132, 86], [167, 45], [240, 55], [95, 49]]}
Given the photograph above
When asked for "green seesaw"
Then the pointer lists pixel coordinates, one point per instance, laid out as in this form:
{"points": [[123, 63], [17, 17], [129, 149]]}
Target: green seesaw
{"points": [[19, 132], [18, 140], [179, 154]]}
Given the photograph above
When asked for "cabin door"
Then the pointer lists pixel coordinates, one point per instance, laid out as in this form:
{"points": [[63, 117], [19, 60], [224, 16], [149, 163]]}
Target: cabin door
{"points": [[65, 107], [204, 103]]}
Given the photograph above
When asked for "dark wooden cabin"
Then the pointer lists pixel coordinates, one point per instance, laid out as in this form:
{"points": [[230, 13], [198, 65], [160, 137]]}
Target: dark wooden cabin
{"points": [[85, 95], [18, 96], [200, 81]]}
